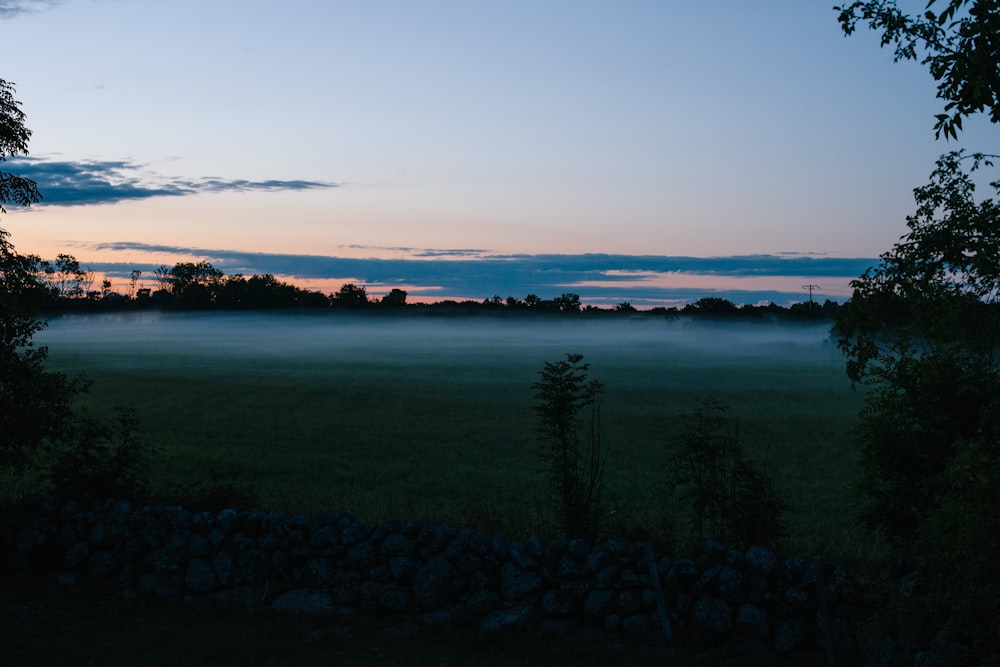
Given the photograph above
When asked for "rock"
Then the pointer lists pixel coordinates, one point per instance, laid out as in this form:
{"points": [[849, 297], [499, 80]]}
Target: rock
{"points": [[397, 545], [578, 549], [251, 566], [102, 563], [326, 537], [199, 577], [711, 618], [304, 602], [508, 619], [225, 569], [76, 556], [436, 583], [199, 547], [612, 623], [790, 635], [519, 554], [402, 568], [557, 603], [394, 597], [761, 560], [752, 622], [515, 583], [483, 602], [635, 625], [596, 605], [629, 602], [364, 554], [729, 585]]}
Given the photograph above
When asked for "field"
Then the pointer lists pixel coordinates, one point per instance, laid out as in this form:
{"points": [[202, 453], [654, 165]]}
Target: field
{"points": [[431, 417]]}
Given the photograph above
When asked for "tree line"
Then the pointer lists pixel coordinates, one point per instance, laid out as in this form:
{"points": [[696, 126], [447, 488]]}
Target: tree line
{"points": [[67, 287]]}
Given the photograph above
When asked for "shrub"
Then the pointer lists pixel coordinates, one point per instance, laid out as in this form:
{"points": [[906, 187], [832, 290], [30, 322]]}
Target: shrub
{"points": [[96, 459], [724, 493], [576, 469]]}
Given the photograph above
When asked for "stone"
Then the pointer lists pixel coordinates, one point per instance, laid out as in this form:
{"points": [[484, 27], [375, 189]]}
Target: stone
{"points": [[199, 577], [635, 625], [711, 618], [752, 622], [519, 554], [790, 635], [516, 583], [557, 603], [225, 568], [578, 548], [304, 602], [402, 568], [325, 538], [364, 554], [508, 619], [199, 547], [102, 563], [761, 560], [397, 544], [76, 556], [729, 585], [318, 572], [436, 583], [394, 597], [596, 605], [483, 602]]}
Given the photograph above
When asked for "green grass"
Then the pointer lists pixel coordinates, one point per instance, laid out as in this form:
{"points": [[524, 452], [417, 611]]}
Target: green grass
{"points": [[416, 417]]}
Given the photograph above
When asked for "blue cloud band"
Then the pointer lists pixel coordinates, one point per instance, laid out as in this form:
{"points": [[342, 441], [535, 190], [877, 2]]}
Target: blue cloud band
{"points": [[89, 182]]}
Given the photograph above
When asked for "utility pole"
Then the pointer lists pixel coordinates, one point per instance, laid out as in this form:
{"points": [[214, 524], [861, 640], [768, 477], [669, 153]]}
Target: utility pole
{"points": [[810, 288]]}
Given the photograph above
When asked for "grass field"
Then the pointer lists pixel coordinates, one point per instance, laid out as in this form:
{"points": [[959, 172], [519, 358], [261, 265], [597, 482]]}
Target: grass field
{"points": [[431, 417]]}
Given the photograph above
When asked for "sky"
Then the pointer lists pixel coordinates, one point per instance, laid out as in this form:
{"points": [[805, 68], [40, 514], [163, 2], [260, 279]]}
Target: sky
{"points": [[636, 150]]}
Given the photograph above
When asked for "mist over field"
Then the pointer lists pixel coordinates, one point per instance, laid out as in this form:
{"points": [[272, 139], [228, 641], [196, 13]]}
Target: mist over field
{"points": [[325, 338], [433, 415]]}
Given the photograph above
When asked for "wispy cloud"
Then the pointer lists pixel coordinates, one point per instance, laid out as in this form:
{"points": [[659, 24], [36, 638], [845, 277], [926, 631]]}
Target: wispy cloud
{"points": [[87, 182], [597, 278], [11, 8]]}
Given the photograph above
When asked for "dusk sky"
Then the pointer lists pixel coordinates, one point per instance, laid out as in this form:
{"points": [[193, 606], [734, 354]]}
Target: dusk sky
{"points": [[468, 148]]}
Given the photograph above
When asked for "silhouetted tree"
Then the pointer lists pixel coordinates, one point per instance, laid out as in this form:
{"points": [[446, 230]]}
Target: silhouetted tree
{"points": [[34, 403], [576, 474], [711, 305], [568, 303], [14, 137], [350, 296], [396, 298], [960, 46], [922, 333]]}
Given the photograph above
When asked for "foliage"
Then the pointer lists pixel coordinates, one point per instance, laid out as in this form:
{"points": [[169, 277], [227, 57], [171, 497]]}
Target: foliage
{"points": [[961, 44], [14, 138], [922, 333], [350, 296], [96, 459], [34, 403], [576, 476], [730, 498]]}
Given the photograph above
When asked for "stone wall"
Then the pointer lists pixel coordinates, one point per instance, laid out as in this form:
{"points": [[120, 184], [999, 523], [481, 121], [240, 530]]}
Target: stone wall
{"points": [[442, 574]]}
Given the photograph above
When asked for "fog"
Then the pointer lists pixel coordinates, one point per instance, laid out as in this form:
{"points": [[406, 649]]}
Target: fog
{"points": [[420, 338]]}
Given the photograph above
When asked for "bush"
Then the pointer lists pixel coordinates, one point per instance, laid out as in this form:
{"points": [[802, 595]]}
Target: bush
{"points": [[96, 460], [724, 494], [576, 470]]}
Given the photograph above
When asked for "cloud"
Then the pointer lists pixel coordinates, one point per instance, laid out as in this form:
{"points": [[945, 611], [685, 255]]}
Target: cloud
{"points": [[598, 278], [87, 182], [12, 8]]}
